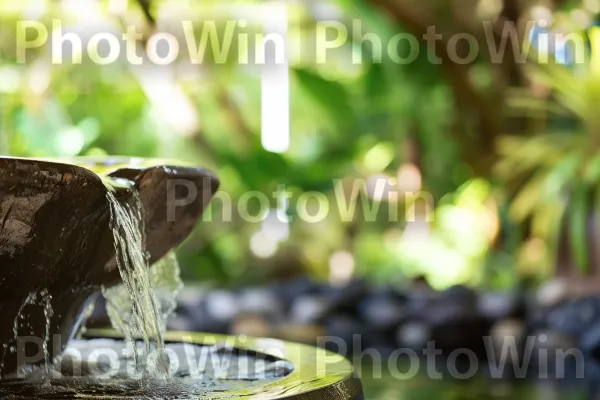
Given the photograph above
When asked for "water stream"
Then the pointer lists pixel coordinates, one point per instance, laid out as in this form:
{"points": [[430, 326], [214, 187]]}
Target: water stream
{"points": [[139, 310], [46, 299], [138, 307]]}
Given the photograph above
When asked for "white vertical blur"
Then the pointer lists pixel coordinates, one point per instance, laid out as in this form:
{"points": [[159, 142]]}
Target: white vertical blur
{"points": [[275, 86]]}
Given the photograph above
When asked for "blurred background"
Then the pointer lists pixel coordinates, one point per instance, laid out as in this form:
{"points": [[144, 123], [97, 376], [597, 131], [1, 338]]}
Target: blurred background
{"points": [[445, 199]]}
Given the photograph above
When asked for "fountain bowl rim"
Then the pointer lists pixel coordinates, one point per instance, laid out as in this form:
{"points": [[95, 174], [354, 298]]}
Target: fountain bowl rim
{"points": [[318, 373]]}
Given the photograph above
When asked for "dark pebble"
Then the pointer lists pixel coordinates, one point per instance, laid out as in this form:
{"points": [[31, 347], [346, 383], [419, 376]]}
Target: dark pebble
{"points": [[382, 313], [344, 332], [260, 301], [460, 296], [414, 335], [500, 305], [345, 299], [573, 317], [289, 290], [309, 309], [590, 341]]}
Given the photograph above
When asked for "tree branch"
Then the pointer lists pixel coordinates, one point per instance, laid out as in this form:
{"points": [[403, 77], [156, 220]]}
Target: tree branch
{"points": [[145, 6], [511, 13], [456, 74]]}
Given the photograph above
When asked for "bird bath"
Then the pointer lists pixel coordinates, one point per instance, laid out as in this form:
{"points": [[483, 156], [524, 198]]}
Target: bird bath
{"points": [[61, 244]]}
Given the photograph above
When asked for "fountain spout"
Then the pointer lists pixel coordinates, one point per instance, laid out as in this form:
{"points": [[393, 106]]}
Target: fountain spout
{"points": [[56, 246]]}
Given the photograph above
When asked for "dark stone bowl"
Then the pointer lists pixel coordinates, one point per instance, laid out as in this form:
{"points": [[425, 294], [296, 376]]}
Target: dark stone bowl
{"points": [[295, 372], [56, 246]]}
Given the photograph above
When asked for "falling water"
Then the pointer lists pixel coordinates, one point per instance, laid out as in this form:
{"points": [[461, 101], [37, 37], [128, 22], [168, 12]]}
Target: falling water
{"points": [[132, 261], [46, 298], [41, 298], [165, 280], [29, 300]]}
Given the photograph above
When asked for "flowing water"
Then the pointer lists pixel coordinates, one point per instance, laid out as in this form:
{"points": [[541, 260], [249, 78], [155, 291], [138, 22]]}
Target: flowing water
{"points": [[29, 300], [138, 308], [165, 280], [138, 312], [42, 298], [46, 299], [140, 305]]}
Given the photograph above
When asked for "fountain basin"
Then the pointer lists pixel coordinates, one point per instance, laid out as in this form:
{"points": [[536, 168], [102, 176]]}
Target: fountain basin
{"points": [[58, 249], [293, 371]]}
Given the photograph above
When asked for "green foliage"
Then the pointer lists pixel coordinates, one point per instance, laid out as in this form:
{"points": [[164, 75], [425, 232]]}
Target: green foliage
{"points": [[350, 122], [557, 169]]}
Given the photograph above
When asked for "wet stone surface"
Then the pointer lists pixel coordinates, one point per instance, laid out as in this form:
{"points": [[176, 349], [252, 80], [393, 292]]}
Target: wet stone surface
{"points": [[57, 244], [107, 367]]}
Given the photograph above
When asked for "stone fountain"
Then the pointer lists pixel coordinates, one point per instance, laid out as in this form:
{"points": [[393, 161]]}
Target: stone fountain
{"points": [[57, 253]]}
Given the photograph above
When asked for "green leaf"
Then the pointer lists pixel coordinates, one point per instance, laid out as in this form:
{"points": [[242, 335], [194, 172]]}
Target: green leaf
{"points": [[524, 154], [591, 174], [565, 171], [569, 89], [579, 210], [376, 83], [595, 213], [528, 198], [525, 106], [545, 185], [332, 96]]}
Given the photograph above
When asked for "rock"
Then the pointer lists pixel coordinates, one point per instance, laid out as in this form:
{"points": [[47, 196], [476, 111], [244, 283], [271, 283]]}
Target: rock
{"points": [[180, 323], [506, 334], [551, 342], [508, 328], [456, 324], [452, 318], [382, 341], [386, 291], [573, 317], [288, 291], [189, 299], [420, 283], [553, 293], [462, 333], [303, 333], [382, 312], [420, 297], [590, 341], [309, 309], [536, 317], [190, 296], [499, 305], [459, 294], [201, 320], [251, 325], [556, 355], [343, 330], [441, 313], [222, 305], [214, 312], [192, 312], [260, 301], [345, 299], [414, 335]]}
